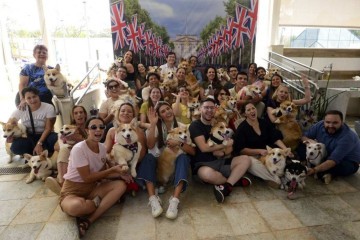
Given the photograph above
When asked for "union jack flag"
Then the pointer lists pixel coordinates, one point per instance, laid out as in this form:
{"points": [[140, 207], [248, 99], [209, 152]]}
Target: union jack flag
{"points": [[118, 25], [239, 27], [251, 17], [228, 32], [133, 37], [148, 42]]}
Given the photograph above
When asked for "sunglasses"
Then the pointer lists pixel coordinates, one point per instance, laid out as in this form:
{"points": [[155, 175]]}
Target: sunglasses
{"points": [[94, 127], [111, 87]]}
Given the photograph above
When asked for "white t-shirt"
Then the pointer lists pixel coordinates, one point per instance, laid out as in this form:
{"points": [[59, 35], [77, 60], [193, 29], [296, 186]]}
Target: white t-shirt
{"points": [[81, 155], [44, 112], [165, 68]]}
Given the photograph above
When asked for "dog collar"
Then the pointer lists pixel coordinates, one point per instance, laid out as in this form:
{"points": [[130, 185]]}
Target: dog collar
{"points": [[132, 147], [215, 140]]}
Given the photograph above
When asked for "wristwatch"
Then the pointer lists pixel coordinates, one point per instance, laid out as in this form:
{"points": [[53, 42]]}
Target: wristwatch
{"points": [[39, 143]]}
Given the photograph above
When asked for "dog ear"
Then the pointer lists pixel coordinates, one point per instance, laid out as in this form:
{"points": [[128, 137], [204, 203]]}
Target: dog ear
{"points": [[287, 151], [27, 156], [45, 153], [45, 68], [57, 67], [268, 148], [134, 123]]}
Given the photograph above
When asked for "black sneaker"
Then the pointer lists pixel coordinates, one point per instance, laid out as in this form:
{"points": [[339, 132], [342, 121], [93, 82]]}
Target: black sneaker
{"points": [[220, 193], [243, 182]]}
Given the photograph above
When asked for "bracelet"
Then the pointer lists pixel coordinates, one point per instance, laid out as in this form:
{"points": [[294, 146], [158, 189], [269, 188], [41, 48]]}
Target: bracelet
{"points": [[39, 143]]}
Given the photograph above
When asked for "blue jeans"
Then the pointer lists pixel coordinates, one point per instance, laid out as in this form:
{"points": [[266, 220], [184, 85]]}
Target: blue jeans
{"points": [[147, 169], [344, 168], [21, 146]]}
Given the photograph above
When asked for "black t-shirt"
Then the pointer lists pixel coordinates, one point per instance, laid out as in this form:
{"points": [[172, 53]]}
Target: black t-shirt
{"points": [[198, 128], [246, 137]]}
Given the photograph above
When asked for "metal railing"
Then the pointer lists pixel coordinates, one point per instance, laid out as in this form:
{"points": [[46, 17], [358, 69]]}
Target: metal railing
{"points": [[92, 75], [292, 71]]}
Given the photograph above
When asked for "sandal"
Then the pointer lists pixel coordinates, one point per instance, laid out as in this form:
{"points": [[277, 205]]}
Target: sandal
{"points": [[83, 225]]}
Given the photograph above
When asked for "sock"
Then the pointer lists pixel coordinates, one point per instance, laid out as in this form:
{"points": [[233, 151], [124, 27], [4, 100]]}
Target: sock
{"points": [[228, 187]]}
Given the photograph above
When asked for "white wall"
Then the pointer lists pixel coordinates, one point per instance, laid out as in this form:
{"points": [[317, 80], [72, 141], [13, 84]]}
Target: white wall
{"points": [[324, 13]]}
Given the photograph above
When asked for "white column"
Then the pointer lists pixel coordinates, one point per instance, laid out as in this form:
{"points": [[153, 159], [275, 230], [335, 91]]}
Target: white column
{"points": [[267, 29], [46, 35]]}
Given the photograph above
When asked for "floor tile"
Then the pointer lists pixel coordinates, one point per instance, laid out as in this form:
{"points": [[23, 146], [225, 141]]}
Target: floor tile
{"points": [[308, 212], [37, 210], [294, 234], [210, 223], [18, 189], [354, 180], [14, 177], [174, 229], [337, 208], [2, 228], [59, 230], [331, 232], [59, 215], [131, 220], [244, 219], [257, 236], [105, 228], [315, 187], [258, 191], [353, 228], [9, 209], [277, 215], [352, 199], [23, 231], [44, 192], [238, 195], [340, 186]]}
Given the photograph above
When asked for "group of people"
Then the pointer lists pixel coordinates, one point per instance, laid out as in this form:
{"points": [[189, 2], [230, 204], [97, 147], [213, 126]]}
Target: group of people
{"points": [[88, 185]]}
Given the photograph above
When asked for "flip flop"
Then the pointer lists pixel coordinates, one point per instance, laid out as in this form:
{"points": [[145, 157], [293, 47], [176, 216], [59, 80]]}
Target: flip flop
{"points": [[83, 225]]}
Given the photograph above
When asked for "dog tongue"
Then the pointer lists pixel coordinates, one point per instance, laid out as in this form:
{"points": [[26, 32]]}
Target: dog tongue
{"points": [[293, 184], [36, 170], [128, 140]]}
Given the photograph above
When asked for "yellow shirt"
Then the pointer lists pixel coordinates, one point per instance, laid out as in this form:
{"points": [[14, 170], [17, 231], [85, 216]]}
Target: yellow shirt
{"points": [[183, 114]]}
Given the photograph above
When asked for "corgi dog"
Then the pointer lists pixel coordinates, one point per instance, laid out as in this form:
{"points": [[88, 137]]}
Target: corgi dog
{"points": [[12, 129], [167, 92], [275, 161], [190, 79], [68, 136], [41, 166], [249, 90], [127, 146], [155, 69], [222, 74], [288, 125], [307, 118], [219, 134], [56, 82], [294, 176], [166, 161], [194, 108], [226, 110]]}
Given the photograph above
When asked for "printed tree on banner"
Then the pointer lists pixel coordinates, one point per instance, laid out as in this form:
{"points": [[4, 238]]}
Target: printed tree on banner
{"points": [[118, 25]]}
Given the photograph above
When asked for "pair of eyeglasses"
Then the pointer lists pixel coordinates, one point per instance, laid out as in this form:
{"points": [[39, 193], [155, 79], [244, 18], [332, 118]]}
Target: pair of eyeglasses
{"points": [[94, 127], [113, 86], [208, 107]]}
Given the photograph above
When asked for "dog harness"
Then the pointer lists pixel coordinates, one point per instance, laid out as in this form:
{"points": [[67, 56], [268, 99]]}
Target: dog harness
{"points": [[215, 140], [132, 147]]}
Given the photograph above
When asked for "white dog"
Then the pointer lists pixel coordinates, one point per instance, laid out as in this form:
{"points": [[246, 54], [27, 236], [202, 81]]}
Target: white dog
{"points": [[315, 153], [41, 166]]}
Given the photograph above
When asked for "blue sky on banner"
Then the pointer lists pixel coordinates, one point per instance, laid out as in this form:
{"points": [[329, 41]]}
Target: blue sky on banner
{"points": [[172, 14]]}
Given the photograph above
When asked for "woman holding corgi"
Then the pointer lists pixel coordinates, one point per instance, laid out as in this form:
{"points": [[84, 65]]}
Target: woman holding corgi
{"points": [[180, 106], [38, 118], [210, 83], [282, 94], [251, 138], [86, 194], [162, 120]]}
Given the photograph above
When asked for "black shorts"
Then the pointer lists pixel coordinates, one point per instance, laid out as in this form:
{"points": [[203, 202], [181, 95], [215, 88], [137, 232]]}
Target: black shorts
{"points": [[221, 165]]}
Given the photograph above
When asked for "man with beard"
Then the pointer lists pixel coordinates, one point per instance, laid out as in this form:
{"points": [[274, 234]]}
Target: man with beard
{"points": [[342, 145], [213, 164]]}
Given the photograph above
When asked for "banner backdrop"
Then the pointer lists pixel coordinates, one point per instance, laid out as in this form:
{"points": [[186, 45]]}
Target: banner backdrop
{"points": [[218, 32]]}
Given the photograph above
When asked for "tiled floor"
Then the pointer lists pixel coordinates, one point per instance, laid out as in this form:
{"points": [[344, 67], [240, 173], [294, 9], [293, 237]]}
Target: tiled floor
{"points": [[30, 211]]}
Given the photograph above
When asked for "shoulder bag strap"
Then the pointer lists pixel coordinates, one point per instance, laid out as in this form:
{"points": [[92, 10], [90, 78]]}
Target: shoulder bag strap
{"points": [[32, 121]]}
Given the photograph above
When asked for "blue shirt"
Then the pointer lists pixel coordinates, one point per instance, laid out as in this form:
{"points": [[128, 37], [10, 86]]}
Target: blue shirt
{"points": [[36, 78], [344, 145]]}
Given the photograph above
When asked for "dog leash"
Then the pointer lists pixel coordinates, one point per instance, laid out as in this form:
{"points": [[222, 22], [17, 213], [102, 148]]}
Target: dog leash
{"points": [[32, 121]]}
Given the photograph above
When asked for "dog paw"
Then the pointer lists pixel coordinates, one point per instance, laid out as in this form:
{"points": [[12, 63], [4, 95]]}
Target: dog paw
{"points": [[29, 181], [125, 168], [133, 174]]}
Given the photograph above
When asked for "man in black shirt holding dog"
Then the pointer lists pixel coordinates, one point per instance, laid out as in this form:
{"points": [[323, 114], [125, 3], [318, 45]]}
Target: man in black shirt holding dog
{"points": [[211, 163]]}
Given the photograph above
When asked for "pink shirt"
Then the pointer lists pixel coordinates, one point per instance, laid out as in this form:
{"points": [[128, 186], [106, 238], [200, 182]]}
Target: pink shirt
{"points": [[81, 155]]}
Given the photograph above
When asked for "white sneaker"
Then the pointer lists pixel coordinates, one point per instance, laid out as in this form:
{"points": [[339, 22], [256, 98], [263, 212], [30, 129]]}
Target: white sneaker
{"points": [[53, 185], [155, 203], [327, 178], [172, 211]]}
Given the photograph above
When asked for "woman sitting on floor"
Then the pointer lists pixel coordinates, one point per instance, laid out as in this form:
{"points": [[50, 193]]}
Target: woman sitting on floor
{"points": [[83, 195]]}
